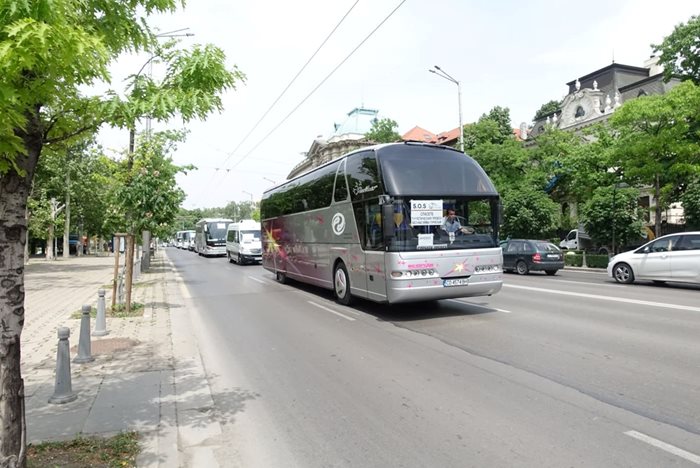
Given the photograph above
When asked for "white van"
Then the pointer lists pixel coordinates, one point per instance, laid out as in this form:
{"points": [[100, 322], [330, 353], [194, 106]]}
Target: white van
{"points": [[243, 242]]}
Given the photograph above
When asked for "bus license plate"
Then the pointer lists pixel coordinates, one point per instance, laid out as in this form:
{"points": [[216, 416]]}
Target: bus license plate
{"points": [[455, 282]]}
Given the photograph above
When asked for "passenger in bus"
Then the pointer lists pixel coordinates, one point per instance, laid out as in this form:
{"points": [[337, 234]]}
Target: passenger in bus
{"points": [[450, 224]]}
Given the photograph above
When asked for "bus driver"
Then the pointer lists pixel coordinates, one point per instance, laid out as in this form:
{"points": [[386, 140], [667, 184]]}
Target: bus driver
{"points": [[450, 224]]}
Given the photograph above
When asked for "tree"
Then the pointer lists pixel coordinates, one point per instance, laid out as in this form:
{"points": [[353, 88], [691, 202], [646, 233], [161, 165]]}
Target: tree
{"points": [[383, 131], [50, 52], [656, 142], [613, 216], [680, 52], [528, 213], [148, 198], [547, 108], [691, 205], [493, 127]]}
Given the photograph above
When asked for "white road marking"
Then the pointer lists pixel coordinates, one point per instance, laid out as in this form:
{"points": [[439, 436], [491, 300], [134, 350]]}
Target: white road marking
{"points": [[331, 311], [483, 307], [691, 457], [607, 298], [258, 280], [589, 284]]}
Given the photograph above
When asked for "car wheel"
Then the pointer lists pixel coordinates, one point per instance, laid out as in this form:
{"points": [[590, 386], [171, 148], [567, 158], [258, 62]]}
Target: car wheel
{"points": [[622, 273], [341, 285], [281, 277], [551, 272], [521, 268]]}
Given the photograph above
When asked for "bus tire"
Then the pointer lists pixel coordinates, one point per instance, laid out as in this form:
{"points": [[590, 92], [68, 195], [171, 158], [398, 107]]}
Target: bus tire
{"points": [[341, 285], [280, 277]]}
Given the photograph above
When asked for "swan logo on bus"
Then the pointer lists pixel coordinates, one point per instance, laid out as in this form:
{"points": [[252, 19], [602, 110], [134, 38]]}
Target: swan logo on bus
{"points": [[338, 224]]}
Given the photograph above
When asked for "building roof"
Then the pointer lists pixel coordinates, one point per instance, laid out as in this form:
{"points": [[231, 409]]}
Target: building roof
{"points": [[420, 134], [358, 122]]}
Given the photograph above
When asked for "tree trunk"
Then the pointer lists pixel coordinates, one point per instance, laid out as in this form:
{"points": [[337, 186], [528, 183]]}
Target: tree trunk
{"points": [[14, 192], [49, 243], [657, 208], [66, 228]]}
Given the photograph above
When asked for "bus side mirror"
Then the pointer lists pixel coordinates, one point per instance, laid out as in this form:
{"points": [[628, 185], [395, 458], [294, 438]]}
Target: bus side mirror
{"points": [[388, 221]]}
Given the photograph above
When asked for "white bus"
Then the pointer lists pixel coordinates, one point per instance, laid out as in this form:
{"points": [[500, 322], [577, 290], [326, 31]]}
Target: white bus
{"points": [[243, 242], [210, 236], [369, 224]]}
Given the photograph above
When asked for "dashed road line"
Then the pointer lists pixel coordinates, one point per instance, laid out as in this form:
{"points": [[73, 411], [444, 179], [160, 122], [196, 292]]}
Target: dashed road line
{"points": [[607, 298], [257, 280], [331, 311], [480, 306], [691, 457]]}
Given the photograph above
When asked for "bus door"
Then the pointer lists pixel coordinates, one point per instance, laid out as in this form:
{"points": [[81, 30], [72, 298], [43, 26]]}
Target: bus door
{"points": [[375, 269]]}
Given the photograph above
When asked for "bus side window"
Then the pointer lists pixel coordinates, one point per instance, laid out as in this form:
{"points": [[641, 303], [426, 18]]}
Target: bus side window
{"points": [[341, 185], [375, 237]]}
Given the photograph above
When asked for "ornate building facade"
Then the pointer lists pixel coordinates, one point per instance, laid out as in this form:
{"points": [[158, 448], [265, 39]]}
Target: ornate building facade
{"points": [[347, 136]]}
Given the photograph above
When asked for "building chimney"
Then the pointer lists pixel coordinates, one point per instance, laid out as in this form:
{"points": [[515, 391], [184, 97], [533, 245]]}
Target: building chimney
{"points": [[652, 63]]}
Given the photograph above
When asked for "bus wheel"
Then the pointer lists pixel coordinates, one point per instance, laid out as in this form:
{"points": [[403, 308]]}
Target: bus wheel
{"points": [[341, 283], [281, 277]]}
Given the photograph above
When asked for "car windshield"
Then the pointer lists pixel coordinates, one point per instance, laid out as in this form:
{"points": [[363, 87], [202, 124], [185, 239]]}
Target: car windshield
{"points": [[250, 235]]}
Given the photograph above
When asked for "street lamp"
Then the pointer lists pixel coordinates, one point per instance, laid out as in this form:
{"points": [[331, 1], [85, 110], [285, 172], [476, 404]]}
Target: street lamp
{"points": [[443, 74], [251, 195], [270, 180]]}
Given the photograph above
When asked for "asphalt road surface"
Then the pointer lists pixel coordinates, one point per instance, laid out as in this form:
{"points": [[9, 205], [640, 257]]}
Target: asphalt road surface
{"points": [[571, 370]]}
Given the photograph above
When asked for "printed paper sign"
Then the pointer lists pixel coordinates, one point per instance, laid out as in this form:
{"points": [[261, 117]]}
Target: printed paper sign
{"points": [[426, 212], [425, 240]]}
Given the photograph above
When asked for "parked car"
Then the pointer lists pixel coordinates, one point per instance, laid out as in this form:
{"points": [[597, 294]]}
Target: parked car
{"points": [[674, 257], [524, 255]]}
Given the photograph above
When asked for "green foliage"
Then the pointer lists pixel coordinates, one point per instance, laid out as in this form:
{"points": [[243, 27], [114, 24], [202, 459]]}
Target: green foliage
{"points": [[52, 50], [573, 259], [528, 213], [547, 108], [691, 205], [383, 131], [506, 164], [613, 210], [148, 197], [657, 141], [680, 51], [493, 127]]}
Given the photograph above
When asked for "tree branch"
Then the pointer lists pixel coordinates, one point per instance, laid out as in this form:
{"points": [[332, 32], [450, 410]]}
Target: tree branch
{"points": [[49, 141]]}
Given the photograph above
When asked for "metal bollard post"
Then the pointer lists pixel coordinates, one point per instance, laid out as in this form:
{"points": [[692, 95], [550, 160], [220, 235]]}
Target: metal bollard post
{"points": [[84, 343], [63, 390], [101, 320], [120, 290]]}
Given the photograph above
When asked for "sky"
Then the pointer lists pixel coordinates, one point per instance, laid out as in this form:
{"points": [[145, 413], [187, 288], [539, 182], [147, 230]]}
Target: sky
{"points": [[511, 54]]}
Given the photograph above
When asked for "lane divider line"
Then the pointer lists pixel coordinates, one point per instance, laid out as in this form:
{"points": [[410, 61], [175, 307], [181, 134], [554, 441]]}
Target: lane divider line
{"points": [[331, 311], [607, 298], [691, 457], [257, 280], [480, 306]]}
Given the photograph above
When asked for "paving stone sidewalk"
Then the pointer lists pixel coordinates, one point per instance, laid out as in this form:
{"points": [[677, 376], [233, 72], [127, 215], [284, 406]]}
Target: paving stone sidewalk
{"points": [[138, 380]]}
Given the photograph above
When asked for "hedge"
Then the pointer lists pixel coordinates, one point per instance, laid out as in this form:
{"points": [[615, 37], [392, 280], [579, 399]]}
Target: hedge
{"points": [[592, 261]]}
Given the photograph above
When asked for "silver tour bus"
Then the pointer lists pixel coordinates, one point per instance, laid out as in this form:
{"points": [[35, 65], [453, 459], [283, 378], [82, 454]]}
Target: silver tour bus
{"points": [[373, 224], [210, 236]]}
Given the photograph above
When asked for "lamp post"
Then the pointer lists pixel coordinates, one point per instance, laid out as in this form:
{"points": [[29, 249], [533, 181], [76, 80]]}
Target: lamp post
{"points": [[270, 180], [443, 74], [251, 195]]}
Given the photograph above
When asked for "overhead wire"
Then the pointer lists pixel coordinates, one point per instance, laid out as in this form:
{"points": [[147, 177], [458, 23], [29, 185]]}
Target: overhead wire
{"points": [[319, 85]]}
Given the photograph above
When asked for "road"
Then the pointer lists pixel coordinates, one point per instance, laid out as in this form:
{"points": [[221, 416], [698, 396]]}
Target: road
{"points": [[570, 370]]}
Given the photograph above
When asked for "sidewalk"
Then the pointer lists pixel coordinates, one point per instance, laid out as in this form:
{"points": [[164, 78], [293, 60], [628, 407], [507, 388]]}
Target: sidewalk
{"points": [[147, 374]]}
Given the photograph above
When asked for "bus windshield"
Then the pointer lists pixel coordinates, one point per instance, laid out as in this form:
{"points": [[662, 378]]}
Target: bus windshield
{"points": [[447, 223], [217, 230]]}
